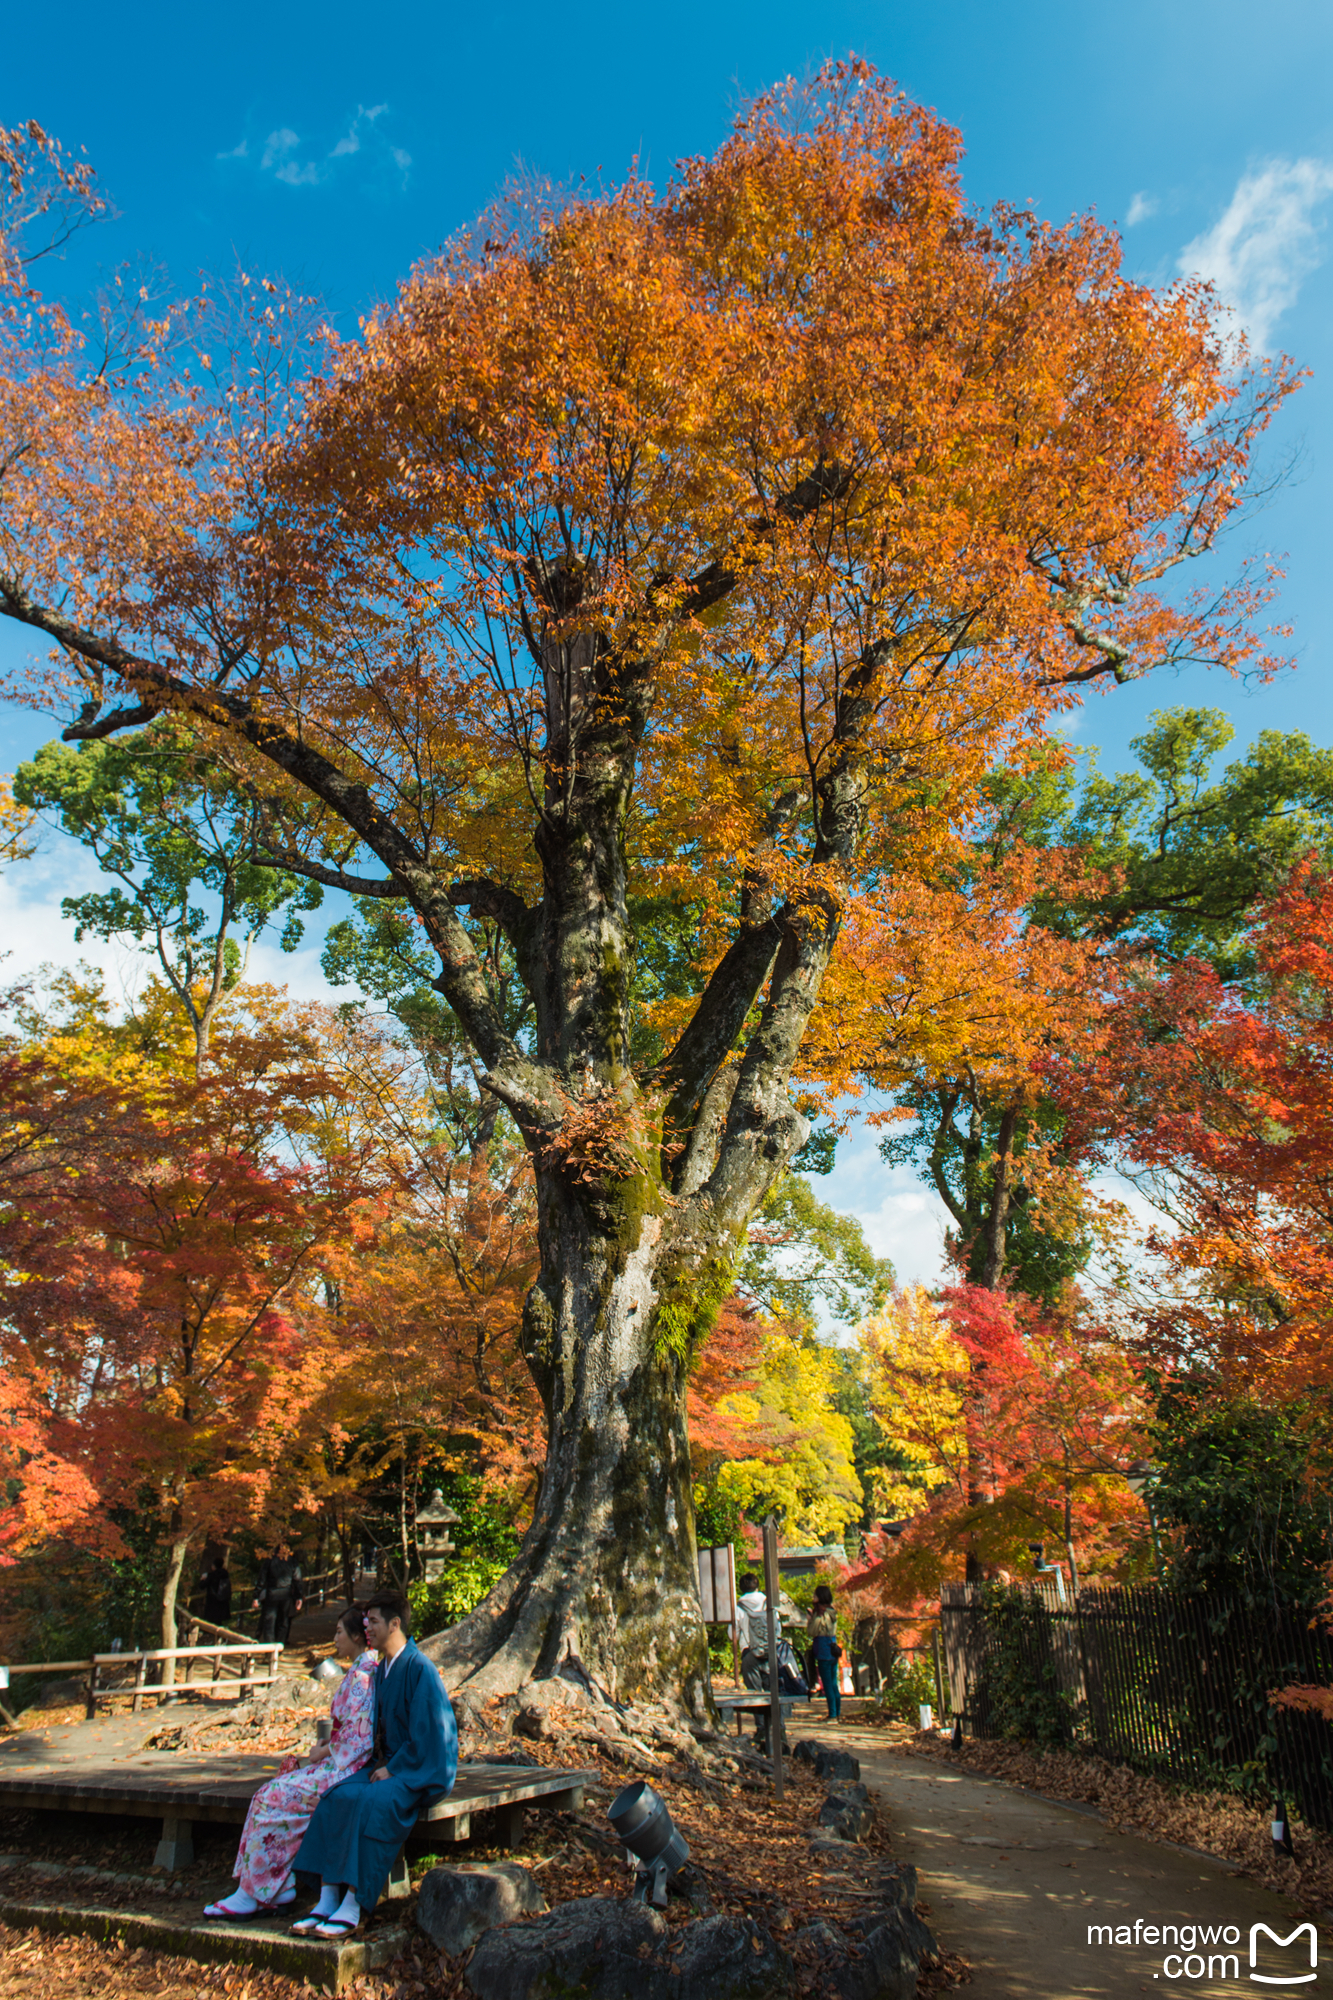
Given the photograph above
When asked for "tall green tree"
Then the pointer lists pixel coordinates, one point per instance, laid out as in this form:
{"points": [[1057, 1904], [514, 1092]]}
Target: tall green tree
{"points": [[1172, 858], [183, 844]]}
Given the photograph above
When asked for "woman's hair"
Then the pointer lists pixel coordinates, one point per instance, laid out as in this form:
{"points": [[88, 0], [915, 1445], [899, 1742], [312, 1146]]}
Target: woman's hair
{"points": [[823, 1595], [353, 1622]]}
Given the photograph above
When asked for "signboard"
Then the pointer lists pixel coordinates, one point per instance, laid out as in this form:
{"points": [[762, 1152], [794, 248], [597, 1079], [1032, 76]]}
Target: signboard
{"points": [[717, 1586]]}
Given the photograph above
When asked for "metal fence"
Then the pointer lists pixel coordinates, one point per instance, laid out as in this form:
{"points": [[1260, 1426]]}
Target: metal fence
{"points": [[1177, 1686]]}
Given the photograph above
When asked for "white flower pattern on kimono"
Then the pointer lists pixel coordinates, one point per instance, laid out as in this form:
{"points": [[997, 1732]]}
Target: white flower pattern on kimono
{"points": [[280, 1811]]}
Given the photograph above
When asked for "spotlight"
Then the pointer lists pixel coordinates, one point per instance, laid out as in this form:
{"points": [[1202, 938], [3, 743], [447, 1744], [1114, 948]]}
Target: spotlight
{"points": [[642, 1821]]}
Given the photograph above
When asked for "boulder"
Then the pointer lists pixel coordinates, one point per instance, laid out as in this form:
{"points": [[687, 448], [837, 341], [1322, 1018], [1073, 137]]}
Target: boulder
{"points": [[884, 1968], [846, 1811], [603, 1948], [807, 1750], [455, 1906], [898, 1885], [837, 1764], [885, 1964]]}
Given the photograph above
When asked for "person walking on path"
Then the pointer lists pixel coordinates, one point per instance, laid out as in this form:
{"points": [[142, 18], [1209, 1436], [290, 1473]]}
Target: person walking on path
{"points": [[359, 1826], [277, 1594], [280, 1811], [822, 1627], [216, 1584]]}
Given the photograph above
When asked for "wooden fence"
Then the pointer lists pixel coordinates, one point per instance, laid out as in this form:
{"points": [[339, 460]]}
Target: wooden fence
{"points": [[1179, 1686], [157, 1671]]}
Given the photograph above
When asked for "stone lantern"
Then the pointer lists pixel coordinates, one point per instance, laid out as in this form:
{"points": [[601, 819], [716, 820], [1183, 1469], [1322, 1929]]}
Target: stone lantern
{"points": [[433, 1524]]}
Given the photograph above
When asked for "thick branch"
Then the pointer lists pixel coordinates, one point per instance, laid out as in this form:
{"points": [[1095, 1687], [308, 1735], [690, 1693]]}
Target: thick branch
{"points": [[332, 878], [736, 983], [763, 1127], [708, 586], [461, 979]]}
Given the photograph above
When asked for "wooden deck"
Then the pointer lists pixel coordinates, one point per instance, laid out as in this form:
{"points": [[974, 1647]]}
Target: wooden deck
{"points": [[182, 1789]]}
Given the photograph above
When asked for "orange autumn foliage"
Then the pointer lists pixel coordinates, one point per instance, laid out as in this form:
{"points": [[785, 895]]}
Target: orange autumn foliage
{"points": [[706, 544], [1220, 1097]]}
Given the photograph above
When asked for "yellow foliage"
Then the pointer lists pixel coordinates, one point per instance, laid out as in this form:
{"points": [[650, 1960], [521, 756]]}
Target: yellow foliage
{"points": [[917, 1374], [18, 827], [810, 1477]]}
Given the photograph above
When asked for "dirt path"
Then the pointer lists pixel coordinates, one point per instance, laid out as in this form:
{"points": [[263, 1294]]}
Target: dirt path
{"points": [[1016, 1883]]}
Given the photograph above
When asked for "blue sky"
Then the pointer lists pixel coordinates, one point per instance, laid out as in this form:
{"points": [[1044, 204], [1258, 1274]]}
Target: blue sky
{"points": [[334, 146]]}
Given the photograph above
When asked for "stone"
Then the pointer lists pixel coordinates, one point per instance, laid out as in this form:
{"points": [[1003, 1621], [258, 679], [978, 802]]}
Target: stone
{"points": [[807, 1749], [605, 1948], [884, 1968], [837, 1764], [898, 1885], [846, 1811], [456, 1905], [820, 1940], [917, 1936]]}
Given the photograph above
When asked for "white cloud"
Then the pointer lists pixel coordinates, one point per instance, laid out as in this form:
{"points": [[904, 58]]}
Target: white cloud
{"points": [[903, 1218], [1265, 243], [351, 138], [36, 934], [278, 146], [1140, 208], [284, 155]]}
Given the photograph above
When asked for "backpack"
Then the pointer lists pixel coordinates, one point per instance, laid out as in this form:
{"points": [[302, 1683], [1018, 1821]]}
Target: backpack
{"points": [[790, 1678], [791, 1681]]}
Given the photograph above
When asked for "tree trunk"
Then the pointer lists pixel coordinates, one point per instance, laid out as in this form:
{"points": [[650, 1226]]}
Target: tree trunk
{"points": [[606, 1578], [177, 1550]]}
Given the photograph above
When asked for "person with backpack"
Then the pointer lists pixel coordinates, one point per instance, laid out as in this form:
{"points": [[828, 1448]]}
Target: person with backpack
{"points": [[752, 1632], [822, 1627]]}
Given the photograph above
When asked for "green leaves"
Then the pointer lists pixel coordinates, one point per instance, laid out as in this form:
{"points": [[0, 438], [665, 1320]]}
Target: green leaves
{"points": [[185, 844]]}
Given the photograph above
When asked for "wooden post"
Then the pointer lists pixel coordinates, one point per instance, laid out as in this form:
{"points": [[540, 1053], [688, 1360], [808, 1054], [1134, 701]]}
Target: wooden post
{"points": [[939, 1671], [139, 1680], [774, 1692]]}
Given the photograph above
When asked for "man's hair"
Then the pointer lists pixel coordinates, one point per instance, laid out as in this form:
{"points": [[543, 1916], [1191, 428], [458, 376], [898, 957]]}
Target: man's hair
{"points": [[749, 1581], [392, 1604], [823, 1595]]}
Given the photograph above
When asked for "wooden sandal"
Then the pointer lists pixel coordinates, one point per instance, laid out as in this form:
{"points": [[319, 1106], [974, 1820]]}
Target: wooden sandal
{"points": [[337, 1927]]}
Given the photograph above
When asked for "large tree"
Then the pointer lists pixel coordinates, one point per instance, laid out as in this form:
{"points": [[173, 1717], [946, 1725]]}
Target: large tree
{"points": [[696, 548]]}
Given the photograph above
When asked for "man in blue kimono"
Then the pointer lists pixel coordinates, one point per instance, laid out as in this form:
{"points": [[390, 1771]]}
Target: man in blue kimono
{"points": [[359, 1825]]}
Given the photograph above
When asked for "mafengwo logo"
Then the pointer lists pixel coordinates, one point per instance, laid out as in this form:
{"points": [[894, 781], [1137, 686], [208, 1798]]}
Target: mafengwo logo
{"points": [[1206, 1952]]}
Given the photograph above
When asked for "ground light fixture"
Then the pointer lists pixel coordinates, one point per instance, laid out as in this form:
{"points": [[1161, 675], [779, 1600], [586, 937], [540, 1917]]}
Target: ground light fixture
{"points": [[1282, 1842], [642, 1822]]}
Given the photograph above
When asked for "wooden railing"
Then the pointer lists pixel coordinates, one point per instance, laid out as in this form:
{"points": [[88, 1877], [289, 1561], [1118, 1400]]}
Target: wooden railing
{"points": [[106, 1672], [216, 1658]]}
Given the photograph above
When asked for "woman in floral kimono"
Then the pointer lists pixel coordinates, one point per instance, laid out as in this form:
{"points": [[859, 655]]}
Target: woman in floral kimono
{"points": [[280, 1810]]}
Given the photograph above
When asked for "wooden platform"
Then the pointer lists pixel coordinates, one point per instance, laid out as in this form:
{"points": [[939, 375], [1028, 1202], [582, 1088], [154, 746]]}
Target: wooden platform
{"points": [[181, 1790]]}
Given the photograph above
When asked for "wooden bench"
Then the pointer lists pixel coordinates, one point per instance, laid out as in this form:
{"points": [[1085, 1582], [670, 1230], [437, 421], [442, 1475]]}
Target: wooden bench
{"points": [[187, 1790], [757, 1705]]}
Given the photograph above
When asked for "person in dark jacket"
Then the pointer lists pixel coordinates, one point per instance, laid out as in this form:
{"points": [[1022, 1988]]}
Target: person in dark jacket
{"points": [[216, 1585], [277, 1594]]}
